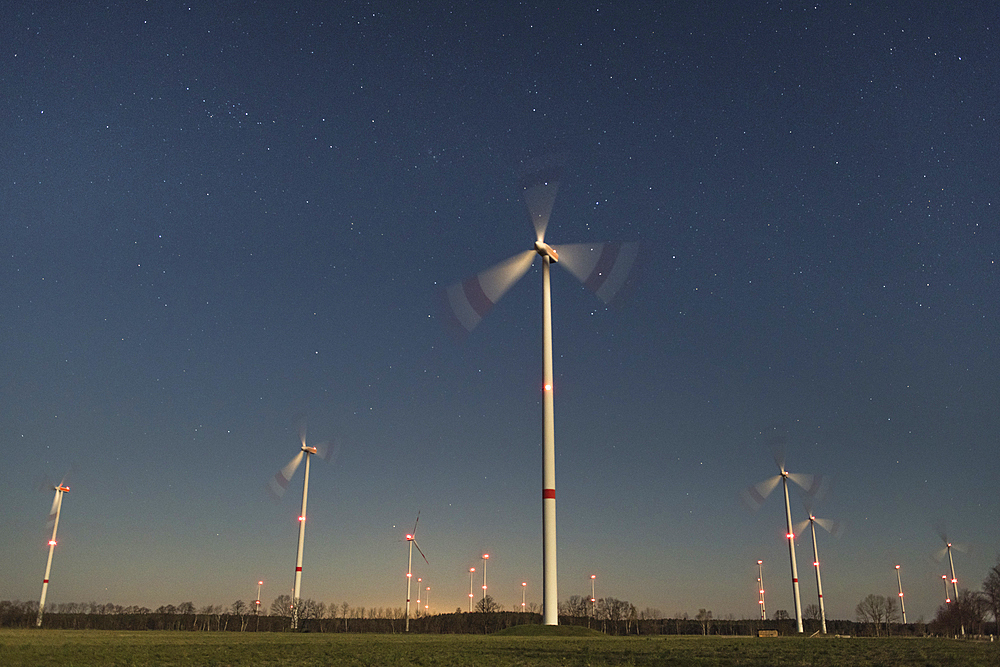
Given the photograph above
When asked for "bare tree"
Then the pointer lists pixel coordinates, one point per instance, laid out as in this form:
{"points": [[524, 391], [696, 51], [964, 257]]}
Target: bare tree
{"points": [[282, 606], [991, 591], [487, 605], [878, 611], [705, 618], [811, 612]]}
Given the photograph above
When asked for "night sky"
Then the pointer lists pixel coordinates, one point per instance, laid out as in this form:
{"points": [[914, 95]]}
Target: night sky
{"points": [[217, 218]]}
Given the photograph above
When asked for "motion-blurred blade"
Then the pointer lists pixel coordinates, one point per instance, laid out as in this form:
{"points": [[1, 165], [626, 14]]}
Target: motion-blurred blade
{"points": [[800, 527], [755, 495], [55, 507], [302, 432], [835, 528], [811, 483], [414, 533], [604, 268], [540, 185], [327, 450], [467, 302], [778, 452], [280, 481]]}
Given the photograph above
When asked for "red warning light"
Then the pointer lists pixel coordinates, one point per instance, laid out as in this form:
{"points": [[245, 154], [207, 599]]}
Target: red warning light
{"points": [[52, 543], [302, 518]]}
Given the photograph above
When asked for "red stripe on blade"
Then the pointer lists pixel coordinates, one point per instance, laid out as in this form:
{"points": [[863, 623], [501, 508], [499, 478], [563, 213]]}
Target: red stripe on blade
{"points": [[477, 297], [609, 255]]}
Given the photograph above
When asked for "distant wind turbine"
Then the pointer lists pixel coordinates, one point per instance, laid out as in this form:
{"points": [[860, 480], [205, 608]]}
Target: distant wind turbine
{"points": [[60, 489], [411, 538], [602, 267], [755, 495], [277, 485], [832, 528]]}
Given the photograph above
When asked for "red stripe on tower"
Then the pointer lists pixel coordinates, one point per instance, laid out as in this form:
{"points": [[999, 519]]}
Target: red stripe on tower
{"points": [[298, 569], [548, 493]]}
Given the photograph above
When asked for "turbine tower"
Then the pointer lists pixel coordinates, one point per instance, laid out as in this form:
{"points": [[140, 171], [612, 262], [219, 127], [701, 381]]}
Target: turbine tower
{"points": [[61, 488], [902, 606], [831, 528], [755, 496], [277, 485], [602, 267]]}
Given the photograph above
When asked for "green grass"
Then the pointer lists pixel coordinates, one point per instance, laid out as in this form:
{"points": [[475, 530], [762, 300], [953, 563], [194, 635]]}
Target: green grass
{"points": [[68, 648]]}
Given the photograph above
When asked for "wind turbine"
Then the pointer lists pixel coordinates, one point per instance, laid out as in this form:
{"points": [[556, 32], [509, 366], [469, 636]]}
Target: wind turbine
{"points": [[277, 485], [954, 580], [602, 267], [411, 538], [760, 589], [755, 496], [832, 528], [60, 489]]}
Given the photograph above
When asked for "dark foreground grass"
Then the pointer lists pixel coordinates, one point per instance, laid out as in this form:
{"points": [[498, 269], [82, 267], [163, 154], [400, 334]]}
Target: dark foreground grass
{"points": [[68, 648]]}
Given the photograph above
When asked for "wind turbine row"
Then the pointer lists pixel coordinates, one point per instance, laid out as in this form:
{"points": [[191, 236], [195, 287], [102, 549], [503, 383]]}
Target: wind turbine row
{"points": [[277, 485], [602, 267]]}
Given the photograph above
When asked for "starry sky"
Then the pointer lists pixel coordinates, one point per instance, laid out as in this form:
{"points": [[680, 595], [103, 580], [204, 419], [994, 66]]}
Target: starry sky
{"points": [[217, 218]]}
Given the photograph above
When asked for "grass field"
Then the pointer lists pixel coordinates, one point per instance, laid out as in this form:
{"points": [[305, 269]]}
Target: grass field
{"points": [[68, 648]]}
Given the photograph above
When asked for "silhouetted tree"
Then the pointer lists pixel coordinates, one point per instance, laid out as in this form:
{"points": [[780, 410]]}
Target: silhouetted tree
{"points": [[878, 611], [991, 592], [282, 606]]}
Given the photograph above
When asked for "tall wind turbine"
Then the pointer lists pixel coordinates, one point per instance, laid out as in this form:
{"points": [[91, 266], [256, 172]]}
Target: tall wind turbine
{"points": [[755, 496], [603, 268], [60, 488], [832, 528], [948, 546], [278, 484], [411, 538]]}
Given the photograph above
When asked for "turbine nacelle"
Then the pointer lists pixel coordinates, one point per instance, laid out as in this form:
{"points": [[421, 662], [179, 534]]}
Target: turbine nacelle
{"points": [[309, 449], [545, 250]]}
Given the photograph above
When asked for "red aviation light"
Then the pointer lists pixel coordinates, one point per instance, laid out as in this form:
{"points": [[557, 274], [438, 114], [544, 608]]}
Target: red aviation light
{"points": [[815, 563], [900, 594], [760, 602], [52, 543], [302, 518], [790, 536], [547, 387], [409, 537]]}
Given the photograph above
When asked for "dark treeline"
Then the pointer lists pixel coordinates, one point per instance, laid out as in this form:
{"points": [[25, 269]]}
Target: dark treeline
{"points": [[112, 617]]}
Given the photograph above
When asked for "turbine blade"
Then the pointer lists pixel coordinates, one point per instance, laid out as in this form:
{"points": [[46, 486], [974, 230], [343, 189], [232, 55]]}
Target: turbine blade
{"points": [[280, 481], [540, 184], [327, 450], [414, 533], [778, 452], [755, 495], [419, 550], [302, 432], [811, 483], [835, 528], [800, 526], [604, 268], [466, 303], [55, 508]]}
